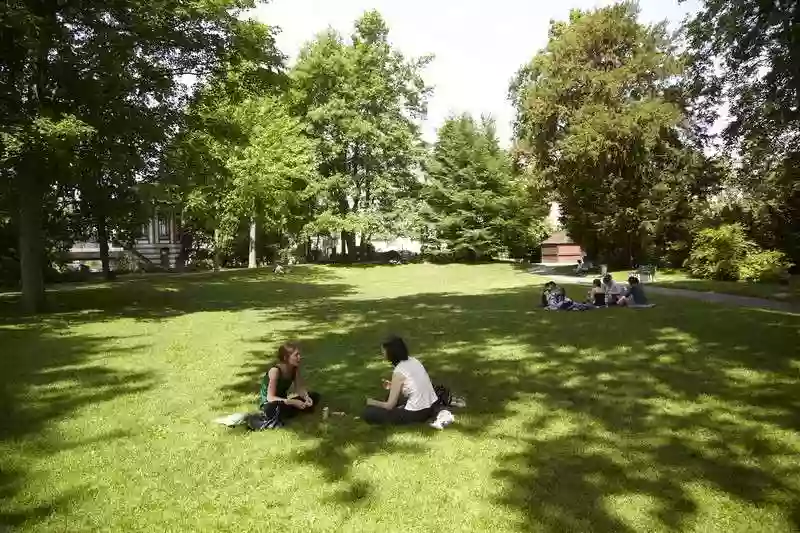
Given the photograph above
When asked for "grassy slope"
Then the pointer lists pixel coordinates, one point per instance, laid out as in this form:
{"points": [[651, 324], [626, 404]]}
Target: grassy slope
{"points": [[679, 418]]}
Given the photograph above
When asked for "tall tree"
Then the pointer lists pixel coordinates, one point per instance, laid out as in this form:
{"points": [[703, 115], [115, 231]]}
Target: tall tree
{"points": [[363, 101], [746, 53], [474, 209], [601, 116], [209, 167], [270, 170], [59, 59]]}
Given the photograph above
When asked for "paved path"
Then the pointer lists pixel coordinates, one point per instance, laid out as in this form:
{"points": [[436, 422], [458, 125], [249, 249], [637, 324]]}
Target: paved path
{"points": [[713, 297]]}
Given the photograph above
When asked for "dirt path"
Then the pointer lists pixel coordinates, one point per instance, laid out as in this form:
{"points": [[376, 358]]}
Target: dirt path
{"points": [[713, 297]]}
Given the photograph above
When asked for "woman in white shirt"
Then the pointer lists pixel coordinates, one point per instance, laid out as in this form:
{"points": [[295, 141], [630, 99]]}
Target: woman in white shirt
{"points": [[409, 380], [614, 290]]}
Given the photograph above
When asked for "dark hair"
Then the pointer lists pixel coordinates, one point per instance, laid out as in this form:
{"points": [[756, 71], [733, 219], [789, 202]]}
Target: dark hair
{"points": [[633, 280], [396, 349], [287, 349], [607, 278], [596, 282]]}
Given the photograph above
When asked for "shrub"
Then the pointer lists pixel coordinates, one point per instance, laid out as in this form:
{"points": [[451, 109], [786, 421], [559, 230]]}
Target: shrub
{"points": [[717, 253], [764, 266], [128, 263]]}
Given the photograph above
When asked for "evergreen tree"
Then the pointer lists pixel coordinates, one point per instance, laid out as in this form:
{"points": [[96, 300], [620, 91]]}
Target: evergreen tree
{"points": [[474, 209]]}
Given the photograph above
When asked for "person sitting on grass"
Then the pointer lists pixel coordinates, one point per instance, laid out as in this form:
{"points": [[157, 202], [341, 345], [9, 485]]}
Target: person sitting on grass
{"points": [[558, 301], [634, 296], [412, 398], [613, 290], [550, 288], [275, 402], [597, 295]]}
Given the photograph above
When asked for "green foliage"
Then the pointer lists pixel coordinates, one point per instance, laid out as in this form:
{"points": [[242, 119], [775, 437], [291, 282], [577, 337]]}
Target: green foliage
{"points": [[240, 157], [362, 100], [726, 253], [258, 168], [601, 119], [475, 209], [764, 266], [91, 92], [718, 253], [744, 53]]}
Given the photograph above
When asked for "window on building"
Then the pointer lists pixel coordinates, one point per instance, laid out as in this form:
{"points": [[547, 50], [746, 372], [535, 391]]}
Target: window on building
{"points": [[144, 235], [163, 228]]}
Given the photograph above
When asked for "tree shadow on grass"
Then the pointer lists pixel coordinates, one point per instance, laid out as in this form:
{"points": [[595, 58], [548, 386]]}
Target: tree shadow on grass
{"points": [[172, 296], [48, 374], [655, 401]]}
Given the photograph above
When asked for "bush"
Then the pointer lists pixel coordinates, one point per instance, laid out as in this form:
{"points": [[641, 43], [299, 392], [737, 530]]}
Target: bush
{"points": [[128, 263], [764, 266], [718, 253]]}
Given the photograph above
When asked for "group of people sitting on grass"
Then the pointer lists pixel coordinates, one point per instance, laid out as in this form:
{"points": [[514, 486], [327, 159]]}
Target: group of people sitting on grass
{"points": [[604, 293], [411, 398]]}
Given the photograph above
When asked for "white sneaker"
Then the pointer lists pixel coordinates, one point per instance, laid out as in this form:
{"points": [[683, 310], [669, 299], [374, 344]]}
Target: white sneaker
{"points": [[444, 418], [232, 420]]}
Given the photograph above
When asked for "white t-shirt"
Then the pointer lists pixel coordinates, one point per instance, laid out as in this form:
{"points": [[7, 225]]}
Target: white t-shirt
{"points": [[613, 288], [417, 386]]}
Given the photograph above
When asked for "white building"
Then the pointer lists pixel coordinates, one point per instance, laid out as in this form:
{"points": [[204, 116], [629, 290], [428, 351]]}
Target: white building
{"points": [[159, 243]]}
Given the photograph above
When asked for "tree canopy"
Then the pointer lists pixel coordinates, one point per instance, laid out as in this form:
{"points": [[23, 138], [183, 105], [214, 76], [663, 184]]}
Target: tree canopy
{"points": [[474, 208], [745, 55], [94, 78], [362, 101], [111, 107], [600, 117]]}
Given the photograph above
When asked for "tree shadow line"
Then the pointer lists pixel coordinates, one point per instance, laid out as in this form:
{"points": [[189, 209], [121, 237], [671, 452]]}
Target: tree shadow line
{"points": [[659, 399], [46, 375], [172, 296]]}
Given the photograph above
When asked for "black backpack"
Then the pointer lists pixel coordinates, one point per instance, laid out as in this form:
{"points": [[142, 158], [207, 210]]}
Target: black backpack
{"points": [[443, 395]]}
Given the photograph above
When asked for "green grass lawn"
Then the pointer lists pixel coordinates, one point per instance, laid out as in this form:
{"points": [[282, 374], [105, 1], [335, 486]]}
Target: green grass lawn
{"points": [[685, 417], [678, 279]]}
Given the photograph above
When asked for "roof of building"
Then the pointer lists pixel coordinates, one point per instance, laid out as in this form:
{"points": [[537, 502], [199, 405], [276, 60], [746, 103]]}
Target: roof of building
{"points": [[559, 237]]}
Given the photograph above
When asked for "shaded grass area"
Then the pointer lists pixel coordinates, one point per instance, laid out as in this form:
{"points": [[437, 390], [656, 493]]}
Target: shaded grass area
{"points": [[678, 279], [678, 418]]}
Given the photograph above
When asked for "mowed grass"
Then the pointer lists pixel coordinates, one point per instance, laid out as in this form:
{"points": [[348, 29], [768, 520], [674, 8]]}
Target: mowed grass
{"points": [[685, 417], [679, 279]]}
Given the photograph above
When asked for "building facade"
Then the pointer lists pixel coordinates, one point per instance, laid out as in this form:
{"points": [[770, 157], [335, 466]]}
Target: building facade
{"points": [[159, 243]]}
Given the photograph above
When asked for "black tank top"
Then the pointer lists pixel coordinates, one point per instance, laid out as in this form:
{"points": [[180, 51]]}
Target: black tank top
{"points": [[284, 383]]}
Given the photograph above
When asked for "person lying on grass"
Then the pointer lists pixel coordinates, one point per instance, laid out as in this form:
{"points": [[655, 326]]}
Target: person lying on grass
{"points": [[549, 288], [557, 301], [275, 403], [412, 398]]}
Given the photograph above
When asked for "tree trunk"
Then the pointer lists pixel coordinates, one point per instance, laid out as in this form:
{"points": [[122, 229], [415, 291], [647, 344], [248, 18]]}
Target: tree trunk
{"points": [[344, 243], [217, 250], [183, 253], [31, 244], [252, 260], [349, 245], [102, 239], [365, 242]]}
